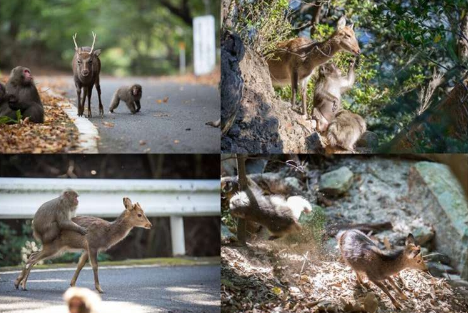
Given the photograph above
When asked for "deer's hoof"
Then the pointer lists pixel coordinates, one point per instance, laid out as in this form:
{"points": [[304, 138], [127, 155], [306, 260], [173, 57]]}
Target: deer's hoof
{"points": [[99, 289]]}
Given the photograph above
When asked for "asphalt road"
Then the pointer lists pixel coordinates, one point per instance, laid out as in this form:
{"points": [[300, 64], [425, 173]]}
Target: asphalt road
{"points": [[175, 126], [126, 289]]}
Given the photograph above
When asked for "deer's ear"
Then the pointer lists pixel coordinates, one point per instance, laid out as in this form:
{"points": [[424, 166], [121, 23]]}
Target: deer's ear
{"points": [[352, 26], [410, 240], [97, 52], [341, 23], [127, 203]]}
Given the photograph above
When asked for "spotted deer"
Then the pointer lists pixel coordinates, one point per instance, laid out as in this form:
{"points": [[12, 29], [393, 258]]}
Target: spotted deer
{"points": [[294, 60]]}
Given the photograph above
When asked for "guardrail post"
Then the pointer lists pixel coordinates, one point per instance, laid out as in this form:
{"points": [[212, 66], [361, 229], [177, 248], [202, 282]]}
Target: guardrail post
{"points": [[177, 235]]}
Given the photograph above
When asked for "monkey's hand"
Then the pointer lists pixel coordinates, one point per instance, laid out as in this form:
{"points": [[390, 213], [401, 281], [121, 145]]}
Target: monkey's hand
{"points": [[82, 231], [356, 61]]}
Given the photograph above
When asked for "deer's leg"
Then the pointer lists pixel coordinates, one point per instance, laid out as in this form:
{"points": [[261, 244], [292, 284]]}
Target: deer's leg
{"points": [[101, 108], [394, 285], [78, 94], [83, 100], [384, 289], [81, 263], [304, 96], [44, 254], [93, 258], [90, 92], [294, 79]]}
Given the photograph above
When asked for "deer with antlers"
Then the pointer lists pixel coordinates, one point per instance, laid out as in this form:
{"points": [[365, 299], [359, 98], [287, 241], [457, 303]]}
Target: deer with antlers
{"points": [[86, 68]]}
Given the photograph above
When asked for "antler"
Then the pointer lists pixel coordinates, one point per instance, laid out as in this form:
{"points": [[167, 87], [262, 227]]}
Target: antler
{"points": [[94, 40], [74, 40]]}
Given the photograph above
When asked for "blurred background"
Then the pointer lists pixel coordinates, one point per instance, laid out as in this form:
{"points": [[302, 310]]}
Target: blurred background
{"points": [[137, 37], [192, 175]]}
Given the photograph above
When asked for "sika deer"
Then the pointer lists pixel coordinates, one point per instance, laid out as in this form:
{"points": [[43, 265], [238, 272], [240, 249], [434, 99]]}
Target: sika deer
{"points": [[86, 69], [101, 236], [363, 255], [294, 61]]}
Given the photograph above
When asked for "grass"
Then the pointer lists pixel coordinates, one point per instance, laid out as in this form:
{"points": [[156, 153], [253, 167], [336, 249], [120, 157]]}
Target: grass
{"points": [[180, 261]]}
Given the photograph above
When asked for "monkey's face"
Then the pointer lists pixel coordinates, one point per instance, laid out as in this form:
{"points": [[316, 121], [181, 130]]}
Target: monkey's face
{"points": [[77, 305], [135, 215], [72, 197], [21, 75], [228, 187], [136, 91]]}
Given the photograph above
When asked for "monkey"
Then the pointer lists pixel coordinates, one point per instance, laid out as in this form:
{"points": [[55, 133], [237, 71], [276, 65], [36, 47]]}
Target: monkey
{"points": [[55, 215], [278, 214], [327, 95], [24, 95], [82, 300], [345, 130], [5, 99], [130, 95]]}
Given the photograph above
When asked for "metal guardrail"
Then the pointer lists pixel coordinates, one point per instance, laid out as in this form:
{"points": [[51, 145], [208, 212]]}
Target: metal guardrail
{"points": [[21, 197]]}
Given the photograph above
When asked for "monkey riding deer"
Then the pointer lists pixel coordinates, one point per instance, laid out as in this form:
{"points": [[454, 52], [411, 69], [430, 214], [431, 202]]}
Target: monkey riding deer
{"points": [[55, 216], [293, 61], [86, 69], [278, 214], [130, 95], [23, 95], [101, 236]]}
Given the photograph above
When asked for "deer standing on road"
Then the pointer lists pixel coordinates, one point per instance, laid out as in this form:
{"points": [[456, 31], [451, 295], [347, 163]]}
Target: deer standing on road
{"points": [[86, 68], [101, 236], [294, 60]]}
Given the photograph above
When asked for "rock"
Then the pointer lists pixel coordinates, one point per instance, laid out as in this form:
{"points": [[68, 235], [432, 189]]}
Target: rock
{"points": [[423, 235], [438, 257], [368, 140], [437, 269], [226, 234], [456, 281], [336, 182], [437, 196]]}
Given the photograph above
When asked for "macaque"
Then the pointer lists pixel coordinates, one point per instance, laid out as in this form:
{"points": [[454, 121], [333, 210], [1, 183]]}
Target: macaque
{"points": [[130, 95], [345, 130], [327, 95], [23, 95], [278, 214], [55, 215], [82, 300]]}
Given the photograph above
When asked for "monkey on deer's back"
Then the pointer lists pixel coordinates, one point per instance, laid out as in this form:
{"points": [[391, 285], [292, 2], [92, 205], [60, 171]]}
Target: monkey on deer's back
{"points": [[131, 95], [23, 95], [278, 214]]}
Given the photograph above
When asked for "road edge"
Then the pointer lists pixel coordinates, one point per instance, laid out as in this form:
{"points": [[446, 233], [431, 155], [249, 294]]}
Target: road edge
{"points": [[88, 133]]}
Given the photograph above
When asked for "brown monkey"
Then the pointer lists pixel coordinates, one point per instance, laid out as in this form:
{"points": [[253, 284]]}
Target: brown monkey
{"points": [[24, 96], [130, 95], [345, 130], [82, 300], [327, 95], [278, 214], [55, 215]]}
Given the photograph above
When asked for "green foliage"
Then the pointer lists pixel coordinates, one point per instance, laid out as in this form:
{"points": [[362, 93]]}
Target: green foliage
{"points": [[8, 120], [139, 37], [262, 24]]}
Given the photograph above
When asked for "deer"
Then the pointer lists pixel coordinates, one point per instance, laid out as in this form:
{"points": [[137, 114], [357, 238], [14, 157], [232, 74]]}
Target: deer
{"points": [[294, 61], [101, 235], [86, 69], [363, 256]]}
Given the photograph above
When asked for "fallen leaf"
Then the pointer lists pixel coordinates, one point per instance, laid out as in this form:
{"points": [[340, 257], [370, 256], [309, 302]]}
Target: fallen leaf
{"points": [[142, 142], [176, 141], [108, 124]]}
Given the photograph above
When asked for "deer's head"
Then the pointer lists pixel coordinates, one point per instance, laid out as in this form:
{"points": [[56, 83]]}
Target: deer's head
{"points": [[85, 57], [345, 37], [134, 214]]}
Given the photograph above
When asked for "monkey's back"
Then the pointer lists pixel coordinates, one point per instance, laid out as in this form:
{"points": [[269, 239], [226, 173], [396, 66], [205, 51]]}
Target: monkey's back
{"points": [[345, 130]]}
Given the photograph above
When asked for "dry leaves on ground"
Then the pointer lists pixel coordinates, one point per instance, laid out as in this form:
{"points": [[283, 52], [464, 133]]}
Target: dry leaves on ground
{"points": [[267, 279], [57, 134]]}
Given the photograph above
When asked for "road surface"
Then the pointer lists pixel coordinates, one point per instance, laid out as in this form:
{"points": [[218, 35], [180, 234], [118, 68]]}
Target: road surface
{"points": [[126, 289], [175, 126]]}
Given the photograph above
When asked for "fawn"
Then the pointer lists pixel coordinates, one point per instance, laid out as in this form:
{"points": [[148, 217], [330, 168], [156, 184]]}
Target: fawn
{"points": [[363, 255], [101, 236], [294, 60]]}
